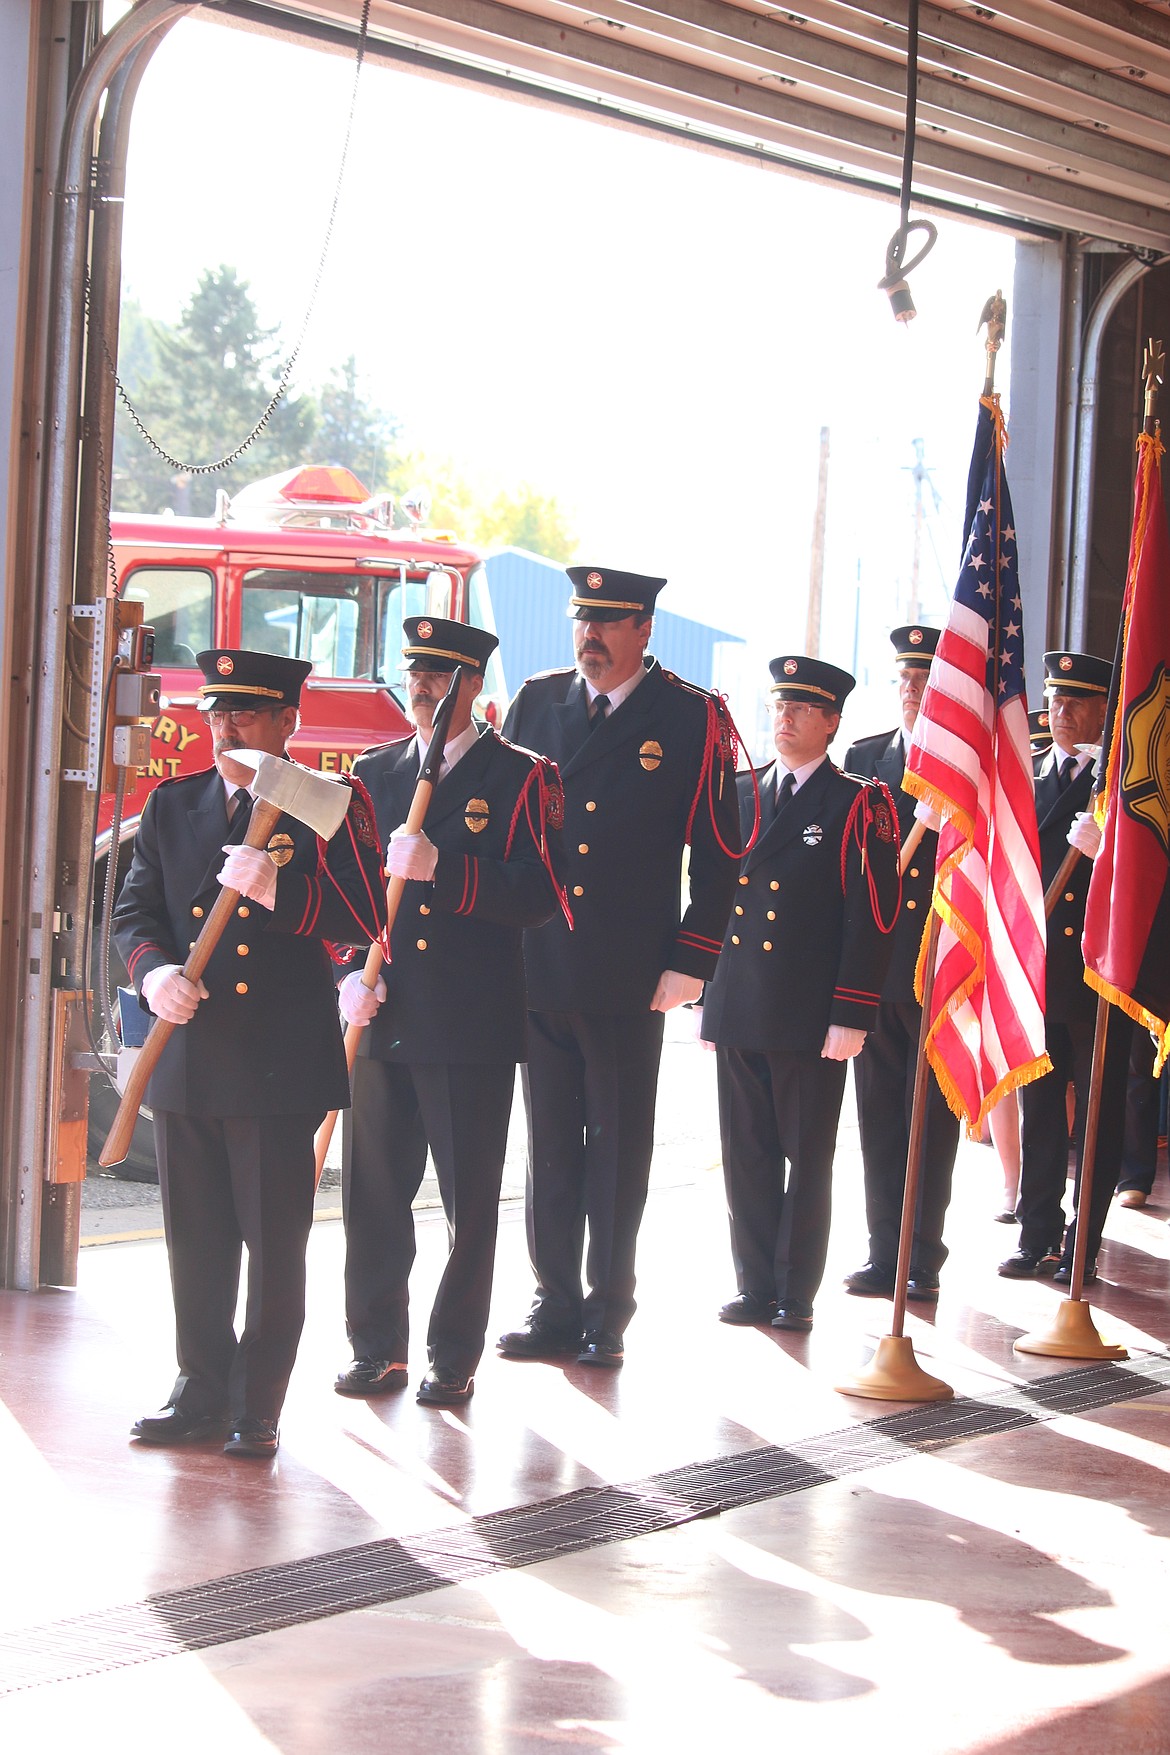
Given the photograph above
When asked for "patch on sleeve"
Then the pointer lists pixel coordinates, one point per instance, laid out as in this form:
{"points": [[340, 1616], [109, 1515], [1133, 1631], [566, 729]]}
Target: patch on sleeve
{"points": [[554, 811], [361, 814], [883, 818]]}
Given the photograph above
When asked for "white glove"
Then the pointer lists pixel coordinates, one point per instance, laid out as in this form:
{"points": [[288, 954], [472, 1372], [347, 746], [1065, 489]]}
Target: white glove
{"points": [[411, 856], [842, 1043], [357, 1003], [1085, 835], [250, 871], [926, 813], [674, 989], [697, 1016], [170, 995]]}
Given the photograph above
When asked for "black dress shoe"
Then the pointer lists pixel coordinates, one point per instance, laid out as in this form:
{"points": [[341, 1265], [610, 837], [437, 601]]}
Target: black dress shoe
{"points": [[601, 1348], [253, 1437], [923, 1288], [748, 1308], [173, 1425], [441, 1388], [1025, 1264], [1006, 1218], [1063, 1274], [538, 1340], [870, 1281], [795, 1315], [371, 1377]]}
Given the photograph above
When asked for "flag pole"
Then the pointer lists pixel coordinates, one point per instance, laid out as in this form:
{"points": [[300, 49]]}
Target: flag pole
{"points": [[1074, 1334], [893, 1374]]}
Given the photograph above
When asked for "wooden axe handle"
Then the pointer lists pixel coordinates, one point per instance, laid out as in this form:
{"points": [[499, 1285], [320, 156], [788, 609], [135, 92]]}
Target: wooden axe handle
{"points": [[910, 844], [416, 816], [1067, 866], [264, 819]]}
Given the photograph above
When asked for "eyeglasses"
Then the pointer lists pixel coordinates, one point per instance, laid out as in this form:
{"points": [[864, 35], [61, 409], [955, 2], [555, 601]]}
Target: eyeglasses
{"points": [[798, 710], [241, 717]]}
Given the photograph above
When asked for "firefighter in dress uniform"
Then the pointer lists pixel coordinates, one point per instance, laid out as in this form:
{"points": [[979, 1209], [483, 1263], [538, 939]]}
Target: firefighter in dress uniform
{"points": [[647, 763], [887, 1066], [1076, 686], [257, 1059], [795, 991], [447, 1025]]}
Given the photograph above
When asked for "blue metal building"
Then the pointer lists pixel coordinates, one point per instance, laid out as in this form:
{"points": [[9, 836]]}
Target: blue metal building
{"points": [[529, 595]]}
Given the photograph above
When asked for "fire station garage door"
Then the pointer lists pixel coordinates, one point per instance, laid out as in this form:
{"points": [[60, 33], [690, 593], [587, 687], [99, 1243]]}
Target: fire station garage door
{"points": [[1052, 112]]}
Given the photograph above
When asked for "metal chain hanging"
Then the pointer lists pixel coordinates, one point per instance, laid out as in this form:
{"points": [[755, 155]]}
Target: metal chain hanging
{"points": [[237, 452]]}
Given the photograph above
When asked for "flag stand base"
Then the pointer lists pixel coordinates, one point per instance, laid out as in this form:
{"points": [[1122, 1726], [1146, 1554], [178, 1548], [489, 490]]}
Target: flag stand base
{"points": [[894, 1375], [1072, 1336]]}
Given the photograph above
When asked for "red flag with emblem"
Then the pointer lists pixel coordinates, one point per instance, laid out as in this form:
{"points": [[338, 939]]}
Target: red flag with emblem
{"points": [[1127, 916]]}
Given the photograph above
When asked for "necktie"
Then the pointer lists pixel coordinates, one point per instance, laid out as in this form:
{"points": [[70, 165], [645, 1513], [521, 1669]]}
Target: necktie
{"points": [[785, 790], [1065, 772], [240, 799], [600, 709]]}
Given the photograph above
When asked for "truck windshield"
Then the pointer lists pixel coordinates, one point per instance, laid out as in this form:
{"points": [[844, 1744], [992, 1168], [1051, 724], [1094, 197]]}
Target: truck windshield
{"points": [[324, 617]]}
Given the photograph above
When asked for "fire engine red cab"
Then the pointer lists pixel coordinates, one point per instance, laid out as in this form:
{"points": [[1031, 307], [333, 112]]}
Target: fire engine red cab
{"points": [[304, 564]]}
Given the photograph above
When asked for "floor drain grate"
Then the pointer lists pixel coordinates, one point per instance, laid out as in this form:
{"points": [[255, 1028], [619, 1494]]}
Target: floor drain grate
{"points": [[246, 1604]]}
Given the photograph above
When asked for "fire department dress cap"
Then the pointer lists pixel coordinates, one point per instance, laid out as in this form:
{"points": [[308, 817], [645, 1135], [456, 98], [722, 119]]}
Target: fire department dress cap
{"points": [[435, 644], [1039, 731], [600, 594], [914, 646], [1078, 673], [250, 679], [796, 678]]}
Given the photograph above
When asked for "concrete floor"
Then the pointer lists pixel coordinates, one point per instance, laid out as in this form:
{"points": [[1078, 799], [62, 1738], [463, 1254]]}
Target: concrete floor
{"points": [[1004, 1592]]}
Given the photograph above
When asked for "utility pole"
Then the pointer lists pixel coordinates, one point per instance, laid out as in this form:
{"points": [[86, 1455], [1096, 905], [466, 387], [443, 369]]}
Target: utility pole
{"points": [[816, 577], [921, 475]]}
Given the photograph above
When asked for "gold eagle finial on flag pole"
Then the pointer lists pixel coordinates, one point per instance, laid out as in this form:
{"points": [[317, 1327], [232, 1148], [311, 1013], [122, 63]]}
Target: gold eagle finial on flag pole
{"points": [[994, 314]]}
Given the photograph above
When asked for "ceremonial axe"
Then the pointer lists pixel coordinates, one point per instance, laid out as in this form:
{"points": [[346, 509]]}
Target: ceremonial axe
{"points": [[280, 788], [428, 779]]}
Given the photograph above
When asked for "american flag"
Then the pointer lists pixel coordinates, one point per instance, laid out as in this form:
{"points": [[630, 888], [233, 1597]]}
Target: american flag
{"points": [[970, 759]]}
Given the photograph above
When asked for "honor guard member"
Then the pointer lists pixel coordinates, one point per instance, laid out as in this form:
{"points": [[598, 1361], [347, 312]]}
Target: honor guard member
{"points": [[648, 764], [1039, 731], [795, 991], [886, 1068], [437, 1065], [257, 1059], [1077, 688]]}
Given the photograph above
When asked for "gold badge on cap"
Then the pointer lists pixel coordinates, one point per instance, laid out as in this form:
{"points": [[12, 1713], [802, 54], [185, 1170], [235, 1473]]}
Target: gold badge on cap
{"points": [[224, 665], [280, 849], [916, 636], [594, 581], [650, 754], [1065, 663], [425, 630], [476, 815], [790, 667]]}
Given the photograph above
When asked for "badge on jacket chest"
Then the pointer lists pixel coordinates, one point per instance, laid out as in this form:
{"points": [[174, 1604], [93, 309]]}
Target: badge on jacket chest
{"points": [[650, 754], [476, 814], [280, 849], [812, 836]]}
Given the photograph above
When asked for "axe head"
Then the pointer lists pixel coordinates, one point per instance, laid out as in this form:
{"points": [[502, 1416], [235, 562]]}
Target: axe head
{"points": [[317, 800]]}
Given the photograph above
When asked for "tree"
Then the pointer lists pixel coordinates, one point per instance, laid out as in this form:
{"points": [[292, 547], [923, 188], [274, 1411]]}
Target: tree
{"points": [[215, 374], [352, 432]]}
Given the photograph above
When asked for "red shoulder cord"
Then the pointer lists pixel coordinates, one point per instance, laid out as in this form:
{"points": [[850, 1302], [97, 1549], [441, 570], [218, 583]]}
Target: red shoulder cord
{"points": [[858, 824], [722, 734], [549, 796], [343, 954]]}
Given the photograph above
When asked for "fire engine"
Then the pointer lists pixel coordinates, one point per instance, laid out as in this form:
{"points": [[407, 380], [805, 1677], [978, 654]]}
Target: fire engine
{"points": [[305, 564]]}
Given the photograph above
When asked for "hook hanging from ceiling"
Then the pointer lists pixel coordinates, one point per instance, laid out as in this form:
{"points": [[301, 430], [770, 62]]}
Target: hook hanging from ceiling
{"points": [[893, 282]]}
